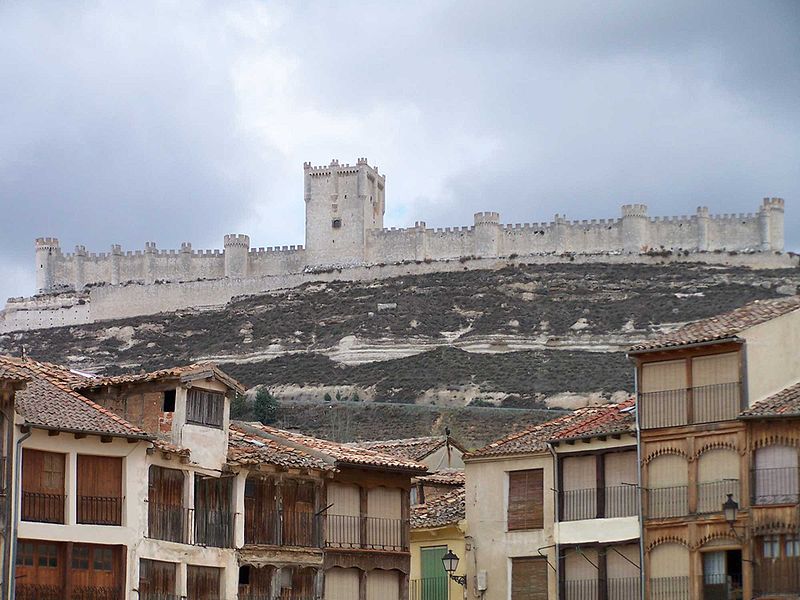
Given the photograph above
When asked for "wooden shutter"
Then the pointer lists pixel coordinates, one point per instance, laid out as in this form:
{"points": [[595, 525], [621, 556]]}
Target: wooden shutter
{"points": [[156, 577], [203, 583], [205, 408], [341, 584], [529, 579], [42, 472], [99, 476], [525, 499], [383, 585], [717, 368]]}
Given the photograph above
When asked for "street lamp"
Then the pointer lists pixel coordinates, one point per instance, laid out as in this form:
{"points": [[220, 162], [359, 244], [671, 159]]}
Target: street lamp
{"points": [[729, 508], [450, 562]]}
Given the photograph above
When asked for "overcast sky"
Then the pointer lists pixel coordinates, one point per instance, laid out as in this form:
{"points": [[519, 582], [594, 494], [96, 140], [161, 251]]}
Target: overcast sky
{"points": [[125, 122]]}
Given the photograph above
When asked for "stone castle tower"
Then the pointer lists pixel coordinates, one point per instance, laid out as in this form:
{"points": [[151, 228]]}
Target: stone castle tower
{"points": [[343, 203]]}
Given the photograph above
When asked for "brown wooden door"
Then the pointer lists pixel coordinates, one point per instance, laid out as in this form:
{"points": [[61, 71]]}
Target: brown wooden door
{"points": [[95, 571], [99, 490], [255, 583], [260, 515], [298, 513], [39, 570], [156, 579], [213, 514], [43, 486], [203, 583], [528, 579]]}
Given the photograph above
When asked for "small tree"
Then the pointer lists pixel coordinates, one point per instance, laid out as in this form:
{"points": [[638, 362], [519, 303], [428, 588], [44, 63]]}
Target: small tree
{"points": [[328, 397], [355, 397], [241, 410], [265, 406]]}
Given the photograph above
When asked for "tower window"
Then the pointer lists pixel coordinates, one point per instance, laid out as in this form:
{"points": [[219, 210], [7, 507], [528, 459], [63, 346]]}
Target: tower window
{"points": [[337, 223]]}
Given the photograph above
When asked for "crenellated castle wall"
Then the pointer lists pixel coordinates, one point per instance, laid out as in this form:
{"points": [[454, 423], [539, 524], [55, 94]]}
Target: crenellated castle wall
{"points": [[344, 228]]}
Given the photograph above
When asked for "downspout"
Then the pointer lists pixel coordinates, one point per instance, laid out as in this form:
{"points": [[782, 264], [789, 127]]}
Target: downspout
{"points": [[15, 523], [555, 517], [6, 508], [639, 479]]}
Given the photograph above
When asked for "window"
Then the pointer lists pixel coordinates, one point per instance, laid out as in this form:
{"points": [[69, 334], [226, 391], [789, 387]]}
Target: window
{"points": [[793, 546], [772, 547], [525, 499], [169, 401], [103, 559], [25, 552], [53, 471], [529, 578], [48, 555], [205, 408], [244, 575], [776, 475], [80, 557]]}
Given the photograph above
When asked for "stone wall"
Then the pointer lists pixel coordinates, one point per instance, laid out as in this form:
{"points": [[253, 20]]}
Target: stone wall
{"points": [[101, 303]]}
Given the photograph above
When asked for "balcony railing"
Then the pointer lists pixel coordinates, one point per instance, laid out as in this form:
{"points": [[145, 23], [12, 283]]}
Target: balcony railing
{"points": [[776, 486], [668, 502], [773, 577], [187, 526], [34, 591], [99, 510], [163, 596], [42, 508], [622, 588], [96, 593], [619, 501], [345, 531], [429, 588], [711, 495], [669, 588], [686, 406], [284, 528]]}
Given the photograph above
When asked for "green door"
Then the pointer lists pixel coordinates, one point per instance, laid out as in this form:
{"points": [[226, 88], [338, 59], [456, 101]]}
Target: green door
{"points": [[433, 585]]}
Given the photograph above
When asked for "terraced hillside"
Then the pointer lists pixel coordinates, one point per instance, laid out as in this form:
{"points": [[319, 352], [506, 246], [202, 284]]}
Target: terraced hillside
{"points": [[519, 336]]}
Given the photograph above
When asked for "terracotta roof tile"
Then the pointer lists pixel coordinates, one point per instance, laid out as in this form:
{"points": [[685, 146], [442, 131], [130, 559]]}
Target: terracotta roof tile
{"points": [[444, 510], [785, 403], [723, 326], [248, 448], [591, 421], [340, 454], [48, 401], [12, 373], [413, 448], [444, 477], [186, 372]]}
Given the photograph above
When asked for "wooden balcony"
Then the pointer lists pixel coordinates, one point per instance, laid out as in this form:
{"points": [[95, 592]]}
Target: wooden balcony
{"points": [[668, 502], [188, 526], [43, 508], [99, 510], [345, 531], [776, 486], [284, 528], [690, 406], [617, 501]]}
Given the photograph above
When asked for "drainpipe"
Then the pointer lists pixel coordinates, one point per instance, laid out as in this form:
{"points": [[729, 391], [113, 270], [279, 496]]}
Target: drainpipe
{"points": [[15, 523], [557, 568], [7, 508], [639, 480]]}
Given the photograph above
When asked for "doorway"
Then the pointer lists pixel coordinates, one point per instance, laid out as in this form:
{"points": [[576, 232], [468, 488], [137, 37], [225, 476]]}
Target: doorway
{"points": [[722, 575]]}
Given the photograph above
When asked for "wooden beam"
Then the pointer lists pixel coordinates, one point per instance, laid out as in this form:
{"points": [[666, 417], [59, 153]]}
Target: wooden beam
{"points": [[53, 432], [80, 436], [105, 439]]}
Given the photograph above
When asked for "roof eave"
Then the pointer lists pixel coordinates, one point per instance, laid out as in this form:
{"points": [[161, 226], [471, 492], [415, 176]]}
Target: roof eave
{"points": [[144, 437], [671, 347]]}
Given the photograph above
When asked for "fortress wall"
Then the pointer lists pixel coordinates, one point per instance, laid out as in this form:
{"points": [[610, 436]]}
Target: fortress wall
{"points": [[734, 231], [450, 242], [122, 301], [276, 261], [673, 233], [528, 238], [593, 236], [394, 245]]}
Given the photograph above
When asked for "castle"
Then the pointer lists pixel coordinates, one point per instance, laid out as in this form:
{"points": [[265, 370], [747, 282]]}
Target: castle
{"points": [[345, 206]]}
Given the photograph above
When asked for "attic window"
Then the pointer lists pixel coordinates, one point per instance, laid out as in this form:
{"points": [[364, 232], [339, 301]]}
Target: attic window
{"points": [[169, 401], [205, 408], [337, 223]]}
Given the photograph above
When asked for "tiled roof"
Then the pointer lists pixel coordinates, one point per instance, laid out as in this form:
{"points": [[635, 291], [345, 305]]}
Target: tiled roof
{"points": [[340, 454], [413, 448], [723, 326], [591, 421], [246, 447], [12, 373], [783, 404], [48, 401], [444, 477], [444, 510], [186, 372]]}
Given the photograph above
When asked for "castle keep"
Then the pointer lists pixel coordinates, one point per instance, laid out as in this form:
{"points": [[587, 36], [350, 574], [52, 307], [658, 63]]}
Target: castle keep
{"points": [[345, 205]]}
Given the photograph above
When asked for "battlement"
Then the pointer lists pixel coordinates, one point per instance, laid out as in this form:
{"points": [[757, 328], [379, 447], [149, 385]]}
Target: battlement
{"points": [[634, 210], [341, 169], [47, 243], [237, 239], [774, 204], [483, 218]]}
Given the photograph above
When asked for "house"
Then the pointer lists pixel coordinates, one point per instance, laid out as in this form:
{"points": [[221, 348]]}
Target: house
{"points": [[550, 510], [698, 455], [437, 452], [139, 486]]}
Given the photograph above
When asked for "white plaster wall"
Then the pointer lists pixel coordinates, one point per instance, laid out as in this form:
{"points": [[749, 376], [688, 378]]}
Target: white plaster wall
{"points": [[773, 359], [597, 530], [486, 509], [209, 445]]}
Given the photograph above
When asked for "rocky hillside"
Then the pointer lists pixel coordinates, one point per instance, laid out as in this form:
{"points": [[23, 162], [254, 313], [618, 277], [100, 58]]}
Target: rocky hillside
{"points": [[521, 336]]}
